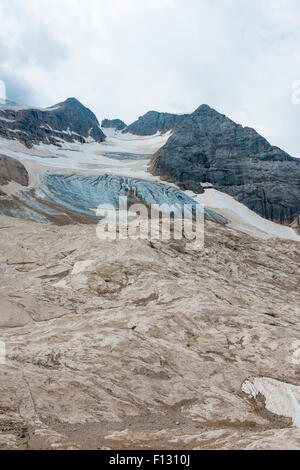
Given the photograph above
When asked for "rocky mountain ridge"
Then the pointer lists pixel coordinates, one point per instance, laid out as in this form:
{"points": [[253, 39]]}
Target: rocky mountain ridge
{"points": [[137, 343], [68, 121], [208, 147], [205, 147], [153, 122]]}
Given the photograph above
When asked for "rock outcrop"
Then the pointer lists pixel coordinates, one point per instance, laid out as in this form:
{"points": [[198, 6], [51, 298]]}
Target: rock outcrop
{"points": [[114, 124], [208, 147], [153, 122], [68, 121], [138, 345], [12, 170]]}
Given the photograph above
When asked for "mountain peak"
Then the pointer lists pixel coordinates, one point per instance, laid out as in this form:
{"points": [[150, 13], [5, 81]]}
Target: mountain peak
{"points": [[113, 124], [68, 103], [153, 122], [73, 102], [68, 121], [208, 147], [203, 107]]}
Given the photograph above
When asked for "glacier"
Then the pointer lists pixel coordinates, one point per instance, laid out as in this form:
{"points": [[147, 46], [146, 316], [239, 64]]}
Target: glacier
{"points": [[74, 198]]}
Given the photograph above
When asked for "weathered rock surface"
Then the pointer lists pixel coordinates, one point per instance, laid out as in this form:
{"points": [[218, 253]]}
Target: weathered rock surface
{"points": [[153, 122], [113, 123], [12, 170], [133, 344], [207, 147], [67, 121]]}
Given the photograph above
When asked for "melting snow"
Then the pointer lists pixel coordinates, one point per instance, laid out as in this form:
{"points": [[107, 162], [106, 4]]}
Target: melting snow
{"points": [[82, 266], [281, 398], [243, 218]]}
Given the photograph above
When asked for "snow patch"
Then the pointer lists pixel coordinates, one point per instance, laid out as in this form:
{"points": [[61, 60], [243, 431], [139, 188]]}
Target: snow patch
{"points": [[281, 398], [82, 266], [242, 218]]}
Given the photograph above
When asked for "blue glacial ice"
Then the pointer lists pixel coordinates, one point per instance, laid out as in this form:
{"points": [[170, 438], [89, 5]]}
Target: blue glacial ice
{"points": [[69, 196]]}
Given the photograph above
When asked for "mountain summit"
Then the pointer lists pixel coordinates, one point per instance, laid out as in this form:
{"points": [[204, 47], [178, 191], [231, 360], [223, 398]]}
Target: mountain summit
{"points": [[116, 124], [153, 122], [208, 147], [67, 121]]}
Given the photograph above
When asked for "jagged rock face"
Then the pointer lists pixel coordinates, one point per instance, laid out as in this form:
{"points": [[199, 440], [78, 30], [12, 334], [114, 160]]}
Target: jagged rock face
{"points": [[67, 121], [296, 224], [113, 123], [12, 170], [153, 122], [209, 147]]}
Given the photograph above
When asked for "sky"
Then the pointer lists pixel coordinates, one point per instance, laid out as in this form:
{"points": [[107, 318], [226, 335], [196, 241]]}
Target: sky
{"points": [[122, 58]]}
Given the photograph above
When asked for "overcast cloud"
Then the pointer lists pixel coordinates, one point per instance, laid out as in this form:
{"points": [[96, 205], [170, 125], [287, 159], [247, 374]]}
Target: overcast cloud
{"points": [[122, 58]]}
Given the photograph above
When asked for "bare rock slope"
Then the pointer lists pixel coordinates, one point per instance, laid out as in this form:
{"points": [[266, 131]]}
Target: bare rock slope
{"points": [[12, 170], [113, 123], [134, 344]]}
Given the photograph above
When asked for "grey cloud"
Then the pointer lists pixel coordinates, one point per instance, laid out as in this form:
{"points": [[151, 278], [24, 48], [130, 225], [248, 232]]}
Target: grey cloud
{"points": [[17, 90], [39, 46], [125, 57]]}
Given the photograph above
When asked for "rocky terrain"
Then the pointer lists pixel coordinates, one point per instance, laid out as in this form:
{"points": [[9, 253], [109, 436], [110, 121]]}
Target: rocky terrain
{"points": [[136, 344], [68, 121], [207, 147], [12, 170], [203, 148], [113, 123], [153, 122]]}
